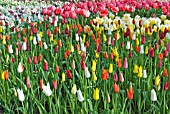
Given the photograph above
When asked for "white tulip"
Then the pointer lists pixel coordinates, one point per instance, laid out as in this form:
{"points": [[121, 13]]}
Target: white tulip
{"points": [[80, 96], [83, 48], [24, 46], [20, 95], [74, 89], [55, 23], [77, 37], [20, 68], [153, 95], [87, 73], [46, 89], [10, 49], [144, 74], [35, 41], [141, 49], [45, 45], [128, 45]]}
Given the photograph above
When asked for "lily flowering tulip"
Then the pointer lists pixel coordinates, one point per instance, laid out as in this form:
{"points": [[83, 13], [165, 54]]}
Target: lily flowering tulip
{"points": [[130, 92], [96, 94], [46, 89], [21, 96], [105, 74]]}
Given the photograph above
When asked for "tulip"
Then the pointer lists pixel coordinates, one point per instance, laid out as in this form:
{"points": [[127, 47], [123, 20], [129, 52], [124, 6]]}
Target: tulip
{"points": [[151, 52], [12, 59], [157, 80], [3, 75], [93, 65], [29, 60], [24, 46], [116, 88], [136, 68], [105, 74], [121, 77], [45, 45], [63, 77], [146, 50], [140, 72], [165, 53], [128, 45], [105, 55], [15, 92], [111, 56], [34, 41], [46, 89], [83, 48], [10, 50], [71, 48], [160, 56], [111, 68], [45, 66], [20, 68], [166, 86], [153, 95], [115, 77], [80, 96], [87, 73], [96, 94], [27, 81], [130, 92], [56, 49], [160, 64], [125, 63], [83, 65], [108, 97], [74, 89], [130, 54], [94, 76], [141, 49], [143, 39], [41, 84], [165, 72], [69, 75], [54, 84], [21, 96], [73, 65], [119, 63], [59, 43], [144, 74], [35, 60]]}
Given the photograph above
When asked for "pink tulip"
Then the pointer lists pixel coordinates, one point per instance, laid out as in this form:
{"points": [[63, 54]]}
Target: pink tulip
{"points": [[125, 63]]}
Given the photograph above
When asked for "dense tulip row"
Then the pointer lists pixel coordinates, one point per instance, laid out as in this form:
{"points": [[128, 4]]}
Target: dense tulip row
{"points": [[87, 57]]}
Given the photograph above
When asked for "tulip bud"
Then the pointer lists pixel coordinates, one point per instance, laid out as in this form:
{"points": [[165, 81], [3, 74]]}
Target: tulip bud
{"points": [[63, 77], [56, 49], [45, 66], [83, 65], [29, 60], [73, 65], [69, 75], [20, 68], [121, 77], [116, 88], [34, 41], [108, 97], [166, 86], [27, 81], [16, 51], [87, 73], [46, 90], [128, 45], [13, 60], [144, 74], [96, 94], [165, 53], [111, 68], [153, 95], [143, 39], [115, 77], [141, 49], [35, 60], [54, 84], [130, 54], [125, 63], [45, 45], [165, 72]]}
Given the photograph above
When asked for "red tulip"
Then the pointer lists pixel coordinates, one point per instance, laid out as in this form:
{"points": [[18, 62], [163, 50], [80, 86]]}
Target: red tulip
{"points": [[35, 60], [56, 49], [143, 39], [111, 56], [69, 75], [160, 63], [166, 86], [13, 60], [130, 54], [165, 53], [6, 75], [151, 52], [45, 66], [83, 65], [103, 12], [41, 84]]}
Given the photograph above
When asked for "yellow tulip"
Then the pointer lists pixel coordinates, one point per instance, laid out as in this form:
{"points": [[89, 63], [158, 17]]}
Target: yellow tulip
{"points": [[93, 65], [68, 26], [137, 41], [51, 38], [104, 38], [157, 80], [63, 77], [149, 33], [136, 68], [146, 50], [140, 72], [97, 55], [4, 40], [71, 48], [84, 38], [55, 42], [111, 68], [94, 76], [115, 52], [0, 29], [3, 76], [96, 94], [31, 38], [41, 34]]}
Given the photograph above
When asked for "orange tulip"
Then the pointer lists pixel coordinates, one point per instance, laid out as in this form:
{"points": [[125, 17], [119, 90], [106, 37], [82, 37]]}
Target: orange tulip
{"points": [[165, 72], [97, 41], [93, 37], [87, 44], [105, 74], [105, 55], [130, 92], [119, 63], [116, 88], [41, 84], [137, 48], [59, 43], [41, 43], [111, 56], [40, 57], [17, 29], [6, 75], [78, 47], [130, 36], [98, 34], [7, 37], [65, 55], [57, 69], [160, 56]]}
